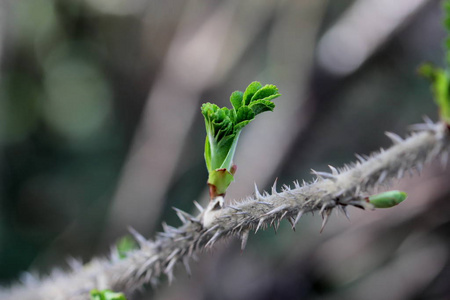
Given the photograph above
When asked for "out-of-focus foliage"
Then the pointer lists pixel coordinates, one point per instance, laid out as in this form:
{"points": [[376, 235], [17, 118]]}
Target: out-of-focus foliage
{"points": [[387, 199], [125, 245]]}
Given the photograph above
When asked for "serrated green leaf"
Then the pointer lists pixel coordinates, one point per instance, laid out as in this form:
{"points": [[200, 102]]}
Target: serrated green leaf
{"points": [[221, 115], [236, 99], [446, 22], [446, 6], [208, 154], [220, 150], [250, 91], [447, 45], [261, 106], [244, 113], [264, 92], [222, 129], [219, 134]]}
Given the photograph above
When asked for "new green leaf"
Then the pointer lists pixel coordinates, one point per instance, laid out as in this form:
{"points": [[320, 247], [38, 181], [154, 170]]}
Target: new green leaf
{"points": [[223, 127], [260, 106], [250, 91], [236, 99]]}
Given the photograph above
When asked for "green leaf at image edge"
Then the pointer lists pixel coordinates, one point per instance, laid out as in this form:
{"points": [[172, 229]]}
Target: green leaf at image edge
{"points": [[440, 84]]}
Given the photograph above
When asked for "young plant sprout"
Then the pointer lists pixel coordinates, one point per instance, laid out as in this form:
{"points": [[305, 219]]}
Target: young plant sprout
{"points": [[223, 127], [387, 199]]}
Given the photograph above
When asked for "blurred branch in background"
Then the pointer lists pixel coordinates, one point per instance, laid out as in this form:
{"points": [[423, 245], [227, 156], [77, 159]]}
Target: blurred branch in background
{"points": [[364, 27]]}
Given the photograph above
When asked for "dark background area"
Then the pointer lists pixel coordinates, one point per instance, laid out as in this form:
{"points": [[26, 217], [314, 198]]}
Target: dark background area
{"points": [[100, 129]]}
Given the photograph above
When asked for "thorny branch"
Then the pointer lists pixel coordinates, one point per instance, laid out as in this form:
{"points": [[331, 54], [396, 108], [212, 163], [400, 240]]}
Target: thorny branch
{"points": [[338, 189]]}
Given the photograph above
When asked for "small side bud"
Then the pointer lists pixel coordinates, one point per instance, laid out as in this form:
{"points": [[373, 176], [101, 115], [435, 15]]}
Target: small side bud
{"points": [[387, 199]]}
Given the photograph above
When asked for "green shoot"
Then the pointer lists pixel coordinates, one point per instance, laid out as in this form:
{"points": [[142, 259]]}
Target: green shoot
{"points": [[106, 295], [223, 127], [387, 199]]}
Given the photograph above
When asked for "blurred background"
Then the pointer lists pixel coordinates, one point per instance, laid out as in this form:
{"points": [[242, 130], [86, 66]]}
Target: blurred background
{"points": [[100, 129]]}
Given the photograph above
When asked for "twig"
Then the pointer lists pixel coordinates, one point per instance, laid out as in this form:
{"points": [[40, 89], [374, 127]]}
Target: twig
{"points": [[338, 189]]}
